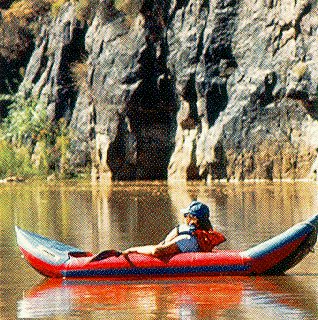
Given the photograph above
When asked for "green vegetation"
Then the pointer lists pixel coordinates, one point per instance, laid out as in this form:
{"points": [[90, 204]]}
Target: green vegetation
{"points": [[20, 24], [14, 162], [85, 9], [31, 144], [129, 7], [25, 122], [56, 6], [79, 71]]}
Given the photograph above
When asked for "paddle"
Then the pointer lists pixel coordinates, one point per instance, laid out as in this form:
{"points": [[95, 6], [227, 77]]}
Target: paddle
{"points": [[106, 254]]}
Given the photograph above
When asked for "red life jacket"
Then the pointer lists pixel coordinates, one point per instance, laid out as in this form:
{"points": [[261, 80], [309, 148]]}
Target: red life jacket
{"points": [[208, 239]]}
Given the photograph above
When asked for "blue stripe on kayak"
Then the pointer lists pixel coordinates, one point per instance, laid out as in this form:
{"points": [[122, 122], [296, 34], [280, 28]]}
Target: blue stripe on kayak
{"points": [[279, 241], [155, 271]]}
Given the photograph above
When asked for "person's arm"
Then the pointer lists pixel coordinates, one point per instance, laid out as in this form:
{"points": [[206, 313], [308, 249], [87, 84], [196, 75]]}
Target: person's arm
{"points": [[142, 249], [170, 236], [166, 249], [155, 250]]}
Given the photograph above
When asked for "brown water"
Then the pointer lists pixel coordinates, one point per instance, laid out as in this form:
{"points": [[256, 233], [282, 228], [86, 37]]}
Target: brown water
{"points": [[95, 218]]}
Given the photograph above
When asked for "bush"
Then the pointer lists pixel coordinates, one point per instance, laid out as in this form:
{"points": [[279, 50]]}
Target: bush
{"points": [[21, 129], [21, 23], [130, 8], [56, 6], [26, 120], [85, 9], [32, 144], [14, 162], [7, 159]]}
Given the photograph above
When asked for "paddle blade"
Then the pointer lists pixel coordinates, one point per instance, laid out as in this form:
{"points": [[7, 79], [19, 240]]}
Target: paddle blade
{"points": [[106, 254]]}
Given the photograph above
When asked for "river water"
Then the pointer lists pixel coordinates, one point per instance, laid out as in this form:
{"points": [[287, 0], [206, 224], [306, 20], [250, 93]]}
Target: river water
{"points": [[97, 217]]}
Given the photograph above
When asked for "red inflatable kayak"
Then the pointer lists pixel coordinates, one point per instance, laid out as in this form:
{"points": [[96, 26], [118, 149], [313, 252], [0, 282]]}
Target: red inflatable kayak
{"points": [[274, 256]]}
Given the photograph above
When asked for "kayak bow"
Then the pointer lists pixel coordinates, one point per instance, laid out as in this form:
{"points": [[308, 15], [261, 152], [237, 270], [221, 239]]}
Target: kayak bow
{"points": [[274, 256]]}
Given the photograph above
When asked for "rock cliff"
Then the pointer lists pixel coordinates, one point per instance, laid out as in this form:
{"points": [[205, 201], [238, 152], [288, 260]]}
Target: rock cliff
{"points": [[185, 89]]}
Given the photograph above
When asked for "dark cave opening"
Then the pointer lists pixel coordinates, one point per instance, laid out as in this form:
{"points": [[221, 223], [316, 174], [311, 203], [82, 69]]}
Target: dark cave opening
{"points": [[217, 99], [151, 111], [67, 93]]}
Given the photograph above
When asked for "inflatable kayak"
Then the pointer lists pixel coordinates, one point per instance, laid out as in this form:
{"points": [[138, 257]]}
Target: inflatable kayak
{"points": [[274, 256]]}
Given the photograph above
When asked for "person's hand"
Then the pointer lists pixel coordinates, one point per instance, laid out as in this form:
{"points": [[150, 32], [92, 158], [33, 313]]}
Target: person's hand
{"points": [[130, 250]]}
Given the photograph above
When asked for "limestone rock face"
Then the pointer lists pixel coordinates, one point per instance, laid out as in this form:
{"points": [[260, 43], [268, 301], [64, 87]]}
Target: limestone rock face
{"points": [[130, 94], [48, 75], [255, 106], [185, 90]]}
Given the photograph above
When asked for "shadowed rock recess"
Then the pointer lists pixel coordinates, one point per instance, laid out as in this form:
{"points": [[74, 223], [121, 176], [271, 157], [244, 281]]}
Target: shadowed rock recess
{"points": [[185, 89]]}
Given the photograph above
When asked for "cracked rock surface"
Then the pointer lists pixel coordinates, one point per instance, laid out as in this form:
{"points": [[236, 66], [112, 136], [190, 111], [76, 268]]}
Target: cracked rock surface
{"points": [[187, 89]]}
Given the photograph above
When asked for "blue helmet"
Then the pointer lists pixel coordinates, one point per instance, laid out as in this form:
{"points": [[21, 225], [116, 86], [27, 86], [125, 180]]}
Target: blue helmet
{"points": [[197, 209]]}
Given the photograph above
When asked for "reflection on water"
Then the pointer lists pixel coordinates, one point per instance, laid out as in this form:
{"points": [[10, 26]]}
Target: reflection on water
{"points": [[202, 298], [119, 215], [124, 214]]}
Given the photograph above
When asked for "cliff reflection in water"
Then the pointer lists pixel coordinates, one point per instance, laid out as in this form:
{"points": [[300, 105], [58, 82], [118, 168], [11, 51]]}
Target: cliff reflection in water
{"points": [[202, 298], [246, 213], [98, 217], [120, 215]]}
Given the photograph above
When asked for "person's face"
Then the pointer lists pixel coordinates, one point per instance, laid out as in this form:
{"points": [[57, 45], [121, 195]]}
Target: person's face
{"points": [[190, 219]]}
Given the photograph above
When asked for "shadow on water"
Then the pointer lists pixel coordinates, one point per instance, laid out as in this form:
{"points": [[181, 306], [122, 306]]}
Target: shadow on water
{"points": [[199, 298]]}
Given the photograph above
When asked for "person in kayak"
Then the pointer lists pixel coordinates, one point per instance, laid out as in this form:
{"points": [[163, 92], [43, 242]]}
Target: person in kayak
{"points": [[195, 235]]}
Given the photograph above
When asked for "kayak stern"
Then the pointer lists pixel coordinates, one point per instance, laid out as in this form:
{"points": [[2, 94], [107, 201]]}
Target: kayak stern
{"points": [[280, 253], [46, 256]]}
